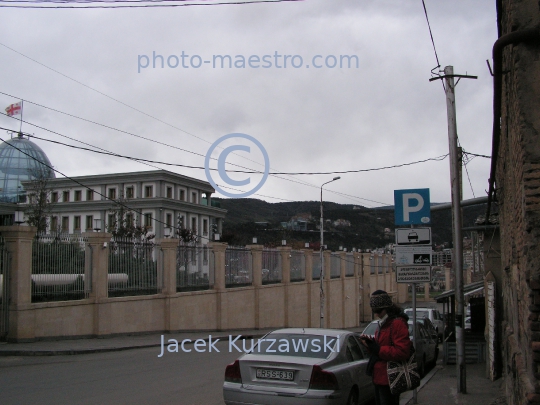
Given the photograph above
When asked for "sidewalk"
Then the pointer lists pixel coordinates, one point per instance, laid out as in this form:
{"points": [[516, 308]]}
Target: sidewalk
{"points": [[440, 387]]}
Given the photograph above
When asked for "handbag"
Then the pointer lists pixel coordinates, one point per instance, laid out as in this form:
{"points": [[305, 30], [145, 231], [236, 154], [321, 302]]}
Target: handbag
{"points": [[403, 375]]}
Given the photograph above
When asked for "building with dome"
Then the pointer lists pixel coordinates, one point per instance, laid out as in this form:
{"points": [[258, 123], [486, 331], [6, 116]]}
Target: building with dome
{"points": [[159, 200]]}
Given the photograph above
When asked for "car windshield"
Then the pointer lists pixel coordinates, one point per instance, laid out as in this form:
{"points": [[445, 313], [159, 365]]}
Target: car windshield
{"points": [[419, 314], [371, 329], [314, 346]]}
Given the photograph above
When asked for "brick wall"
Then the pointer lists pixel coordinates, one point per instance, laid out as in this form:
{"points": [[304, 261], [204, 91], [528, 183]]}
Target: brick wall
{"points": [[518, 194]]}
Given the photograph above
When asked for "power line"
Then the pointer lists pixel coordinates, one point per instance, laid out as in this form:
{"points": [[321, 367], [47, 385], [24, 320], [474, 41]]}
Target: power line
{"points": [[140, 5], [431, 34], [104, 152]]}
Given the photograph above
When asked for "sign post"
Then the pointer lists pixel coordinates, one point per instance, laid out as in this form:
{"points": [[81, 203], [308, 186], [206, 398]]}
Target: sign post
{"points": [[413, 245]]}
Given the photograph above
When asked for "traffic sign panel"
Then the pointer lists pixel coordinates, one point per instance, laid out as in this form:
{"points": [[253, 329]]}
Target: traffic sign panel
{"points": [[416, 236], [413, 274], [412, 207], [418, 255]]}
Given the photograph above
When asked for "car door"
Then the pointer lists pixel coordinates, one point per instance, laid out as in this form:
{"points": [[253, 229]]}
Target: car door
{"points": [[358, 358]]}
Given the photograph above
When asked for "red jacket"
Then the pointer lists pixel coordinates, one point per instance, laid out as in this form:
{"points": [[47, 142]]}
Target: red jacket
{"points": [[400, 350]]}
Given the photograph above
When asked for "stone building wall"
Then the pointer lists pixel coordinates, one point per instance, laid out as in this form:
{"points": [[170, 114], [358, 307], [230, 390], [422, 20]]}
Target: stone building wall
{"points": [[518, 196]]}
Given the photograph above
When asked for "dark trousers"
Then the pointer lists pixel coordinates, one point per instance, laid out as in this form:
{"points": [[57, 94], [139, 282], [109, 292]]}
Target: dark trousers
{"points": [[383, 396]]}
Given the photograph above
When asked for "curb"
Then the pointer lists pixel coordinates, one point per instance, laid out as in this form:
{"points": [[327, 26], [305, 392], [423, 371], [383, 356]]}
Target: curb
{"points": [[72, 352], [408, 396]]}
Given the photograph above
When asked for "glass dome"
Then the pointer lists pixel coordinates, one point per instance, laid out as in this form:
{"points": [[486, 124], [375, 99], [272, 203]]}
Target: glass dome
{"points": [[20, 161]]}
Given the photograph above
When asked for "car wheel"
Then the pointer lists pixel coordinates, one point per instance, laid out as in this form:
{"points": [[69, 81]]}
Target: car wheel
{"points": [[353, 398]]}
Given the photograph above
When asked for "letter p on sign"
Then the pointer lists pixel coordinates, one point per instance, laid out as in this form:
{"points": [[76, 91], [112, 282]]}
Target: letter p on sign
{"points": [[412, 207]]}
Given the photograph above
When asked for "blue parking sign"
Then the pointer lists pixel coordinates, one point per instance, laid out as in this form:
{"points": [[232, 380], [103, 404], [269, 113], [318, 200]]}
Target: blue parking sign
{"points": [[412, 207]]}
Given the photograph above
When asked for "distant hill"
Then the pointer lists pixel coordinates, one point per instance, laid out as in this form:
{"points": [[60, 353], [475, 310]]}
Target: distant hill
{"points": [[366, 230]]}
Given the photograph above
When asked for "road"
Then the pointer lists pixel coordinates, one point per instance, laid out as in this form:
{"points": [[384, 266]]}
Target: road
{"points": [[126, 377]]}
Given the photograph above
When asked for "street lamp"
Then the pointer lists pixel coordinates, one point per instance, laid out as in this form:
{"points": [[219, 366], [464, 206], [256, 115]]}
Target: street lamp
{"points": [[321, 279]]}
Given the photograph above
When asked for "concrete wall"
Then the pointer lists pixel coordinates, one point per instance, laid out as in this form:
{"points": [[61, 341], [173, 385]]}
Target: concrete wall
{"points": [[518, 194], [285, 304]]}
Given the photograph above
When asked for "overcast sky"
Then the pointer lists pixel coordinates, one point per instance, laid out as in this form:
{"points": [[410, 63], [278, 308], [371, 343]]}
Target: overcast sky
{"points": [[383, 112]]}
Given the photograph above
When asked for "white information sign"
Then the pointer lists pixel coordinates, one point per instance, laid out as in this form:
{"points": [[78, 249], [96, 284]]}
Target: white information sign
{"points": [[413, 274], [413, 236], [413, 255]]}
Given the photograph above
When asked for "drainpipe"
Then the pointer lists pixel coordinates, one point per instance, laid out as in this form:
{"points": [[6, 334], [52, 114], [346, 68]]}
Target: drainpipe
{"points": [[530, 35]]}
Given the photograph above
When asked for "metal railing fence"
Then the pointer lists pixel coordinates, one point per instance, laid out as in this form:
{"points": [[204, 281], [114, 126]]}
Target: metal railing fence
{"points": [[58, 272], [238, 267], [271, 266], [298, 265], [349, 265], [335, 265], [133, 267], [194, 268], [316, 269]]}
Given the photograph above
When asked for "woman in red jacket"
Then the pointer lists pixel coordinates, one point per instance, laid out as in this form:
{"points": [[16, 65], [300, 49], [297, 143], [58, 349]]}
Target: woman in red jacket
{"points": [[391, 342]]}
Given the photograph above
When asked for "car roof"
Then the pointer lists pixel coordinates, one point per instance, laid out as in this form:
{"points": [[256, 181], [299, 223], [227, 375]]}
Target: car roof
{"points": [[312, 331]]}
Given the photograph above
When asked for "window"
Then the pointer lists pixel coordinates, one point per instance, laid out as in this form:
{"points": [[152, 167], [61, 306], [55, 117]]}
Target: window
{"points": [[54, 197], [89, 222], [112, 221], [112, 193], [89, 196], [77, 222], [354, 353], [65, 224], [78, 195], [194, 198], [129, 219], [148, 220], [182, 195], [194, 225], [65, 196], [205, 227], [169, 192], [148, 191], [54, 224], [168, 220], [130, 192]]}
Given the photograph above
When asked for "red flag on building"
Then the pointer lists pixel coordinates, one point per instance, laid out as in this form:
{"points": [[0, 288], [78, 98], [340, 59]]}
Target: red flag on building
{"points": [[14, 109]]}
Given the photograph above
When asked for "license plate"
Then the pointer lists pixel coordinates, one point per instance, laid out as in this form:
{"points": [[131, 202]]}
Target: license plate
{"points": [[275, 374]]}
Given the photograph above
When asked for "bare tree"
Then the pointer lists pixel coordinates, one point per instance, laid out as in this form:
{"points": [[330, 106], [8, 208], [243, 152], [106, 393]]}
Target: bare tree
{"points": [[39, 203], [124, 223]]}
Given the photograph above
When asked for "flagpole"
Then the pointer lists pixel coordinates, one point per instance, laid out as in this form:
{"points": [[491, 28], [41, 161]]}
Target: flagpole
{"points": [[22, 105]]}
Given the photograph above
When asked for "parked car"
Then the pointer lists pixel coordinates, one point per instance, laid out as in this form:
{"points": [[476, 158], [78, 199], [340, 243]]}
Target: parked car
{"points": [[430, 328], [315, 366], [468, 323], [433, 315], [370, 330], [427, 351]]}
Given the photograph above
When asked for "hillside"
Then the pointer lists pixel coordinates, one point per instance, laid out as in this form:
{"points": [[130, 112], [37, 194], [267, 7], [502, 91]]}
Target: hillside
{"points": [[366, 229]]}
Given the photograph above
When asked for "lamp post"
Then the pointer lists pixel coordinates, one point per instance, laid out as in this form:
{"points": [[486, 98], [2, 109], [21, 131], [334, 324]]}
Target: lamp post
{"points": [[321, 279]]}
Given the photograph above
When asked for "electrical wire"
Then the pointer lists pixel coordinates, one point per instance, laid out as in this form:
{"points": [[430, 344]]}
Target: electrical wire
{"points": [[104, 152], [141, 5]]}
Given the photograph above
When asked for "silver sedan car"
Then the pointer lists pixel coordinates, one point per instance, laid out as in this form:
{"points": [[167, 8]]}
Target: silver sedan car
{"points": [[298, 366]]}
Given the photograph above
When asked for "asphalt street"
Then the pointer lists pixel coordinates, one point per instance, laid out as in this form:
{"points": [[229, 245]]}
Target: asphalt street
{"points": [[134, 377]]}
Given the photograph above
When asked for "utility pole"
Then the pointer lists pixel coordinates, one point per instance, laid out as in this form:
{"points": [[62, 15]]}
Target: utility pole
{"points": [[455, 182]]}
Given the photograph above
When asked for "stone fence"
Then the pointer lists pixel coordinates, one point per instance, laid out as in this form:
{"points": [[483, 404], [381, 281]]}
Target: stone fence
{"points": [[282, 304]]}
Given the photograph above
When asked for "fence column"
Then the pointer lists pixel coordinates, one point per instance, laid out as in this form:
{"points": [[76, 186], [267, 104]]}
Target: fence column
{"points": [[97, 264], [285, 264], [97, 260], [366, 265], [170, 249], [308, 260], [219, 278], [256, 267], [327, 257], [219, 264], [256, 264], [18, 240]]}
